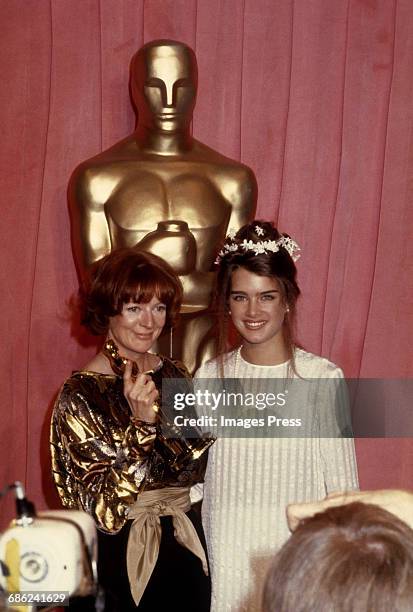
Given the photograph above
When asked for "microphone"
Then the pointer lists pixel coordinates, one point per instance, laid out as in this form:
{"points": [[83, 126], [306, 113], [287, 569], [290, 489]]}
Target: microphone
{"points": [[25, 511]]}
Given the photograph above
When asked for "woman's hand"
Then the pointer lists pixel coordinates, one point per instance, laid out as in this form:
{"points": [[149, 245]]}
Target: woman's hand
{"points": [[141, 395]]}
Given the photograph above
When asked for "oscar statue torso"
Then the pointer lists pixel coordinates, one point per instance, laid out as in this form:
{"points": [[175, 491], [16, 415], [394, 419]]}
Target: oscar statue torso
{"points": [[161, 190]]}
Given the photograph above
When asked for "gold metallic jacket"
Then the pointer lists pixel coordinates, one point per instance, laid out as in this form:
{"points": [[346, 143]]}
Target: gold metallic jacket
{"points": [[101, 459]]}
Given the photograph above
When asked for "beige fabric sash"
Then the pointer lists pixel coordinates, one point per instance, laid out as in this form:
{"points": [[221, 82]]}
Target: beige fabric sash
{"points": [[145, 533]]}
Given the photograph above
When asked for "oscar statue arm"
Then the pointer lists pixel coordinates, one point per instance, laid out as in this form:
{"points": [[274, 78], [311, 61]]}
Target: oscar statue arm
{"points": [[87, 193], [241, 192]]}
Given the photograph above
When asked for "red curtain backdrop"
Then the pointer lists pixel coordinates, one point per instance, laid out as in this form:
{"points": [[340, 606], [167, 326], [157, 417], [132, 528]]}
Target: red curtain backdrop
{"points": [[315, 96]]}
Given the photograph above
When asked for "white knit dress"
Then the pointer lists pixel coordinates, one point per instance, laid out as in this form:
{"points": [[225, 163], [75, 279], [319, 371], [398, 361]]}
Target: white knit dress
{"points": [[249, 482]]}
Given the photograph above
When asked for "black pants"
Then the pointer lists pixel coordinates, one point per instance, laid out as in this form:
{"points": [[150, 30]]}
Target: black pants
{"points": [[177, 583]]}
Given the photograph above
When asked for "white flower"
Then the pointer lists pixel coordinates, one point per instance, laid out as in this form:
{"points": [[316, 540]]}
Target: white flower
{"points": [[259, 231], [291, 246], [247, 245], [272, 245], [260, 247]]}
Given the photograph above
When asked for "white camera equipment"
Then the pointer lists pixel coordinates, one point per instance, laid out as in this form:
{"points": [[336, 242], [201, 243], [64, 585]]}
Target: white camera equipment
{"points": [[55, 550]]}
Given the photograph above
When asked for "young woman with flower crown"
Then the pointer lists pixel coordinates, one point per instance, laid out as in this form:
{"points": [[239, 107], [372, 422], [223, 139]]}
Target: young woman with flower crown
{"points": [[249, 481]]}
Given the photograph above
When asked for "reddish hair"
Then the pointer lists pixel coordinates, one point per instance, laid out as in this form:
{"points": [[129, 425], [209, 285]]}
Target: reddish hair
{"points": [[351, 557], [123, 276]]}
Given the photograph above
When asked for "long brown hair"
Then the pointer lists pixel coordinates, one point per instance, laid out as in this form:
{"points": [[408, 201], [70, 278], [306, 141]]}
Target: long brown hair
{"points": [[279, 265]]}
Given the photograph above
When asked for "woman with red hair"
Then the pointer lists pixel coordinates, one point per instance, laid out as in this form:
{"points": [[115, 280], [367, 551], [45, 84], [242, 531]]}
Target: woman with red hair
{"points": [[111, 454]]}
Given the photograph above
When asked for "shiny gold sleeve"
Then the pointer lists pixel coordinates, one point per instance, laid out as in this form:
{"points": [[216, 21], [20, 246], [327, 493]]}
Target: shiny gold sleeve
{"points": [[99, 456]]}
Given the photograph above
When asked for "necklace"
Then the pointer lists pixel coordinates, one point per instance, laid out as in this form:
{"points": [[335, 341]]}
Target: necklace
{"points": [[282, 371], [118, 363], [178, 450], [237, 361]]}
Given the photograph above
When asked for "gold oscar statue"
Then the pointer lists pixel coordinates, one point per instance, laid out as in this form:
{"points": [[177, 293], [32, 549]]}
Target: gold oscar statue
{"points": [[162, 191]]}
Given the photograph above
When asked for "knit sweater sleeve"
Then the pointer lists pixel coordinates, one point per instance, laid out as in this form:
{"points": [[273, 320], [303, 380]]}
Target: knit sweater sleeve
{"points": [[336, 441]]}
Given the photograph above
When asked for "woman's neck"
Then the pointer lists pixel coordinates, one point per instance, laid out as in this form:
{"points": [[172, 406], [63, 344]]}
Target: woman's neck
{"points": [[102, 363], [116, 356], [258, 355]]}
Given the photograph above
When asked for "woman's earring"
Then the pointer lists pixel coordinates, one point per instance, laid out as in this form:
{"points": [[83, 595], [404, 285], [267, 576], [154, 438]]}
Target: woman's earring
{"points": [[171, 342], [287, 309]]}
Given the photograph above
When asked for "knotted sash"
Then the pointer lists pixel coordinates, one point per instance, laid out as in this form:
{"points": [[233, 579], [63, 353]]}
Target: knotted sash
{"points": [[145, 533]]}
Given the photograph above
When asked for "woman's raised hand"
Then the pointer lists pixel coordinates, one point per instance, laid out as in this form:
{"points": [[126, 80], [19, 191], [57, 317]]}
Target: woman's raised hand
{"points": [[141, 395]]}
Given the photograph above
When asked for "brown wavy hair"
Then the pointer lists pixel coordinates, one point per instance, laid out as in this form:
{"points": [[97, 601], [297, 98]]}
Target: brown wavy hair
{"points": [[123, 276], [279, 265], [351, 558]]}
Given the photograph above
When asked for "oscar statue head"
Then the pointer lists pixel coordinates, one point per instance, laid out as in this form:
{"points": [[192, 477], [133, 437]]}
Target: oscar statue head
{"points": [[163, 79]]}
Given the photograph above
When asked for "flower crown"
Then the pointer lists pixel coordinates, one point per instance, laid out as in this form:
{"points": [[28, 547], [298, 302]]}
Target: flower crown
{"points": [[263, 246]]}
